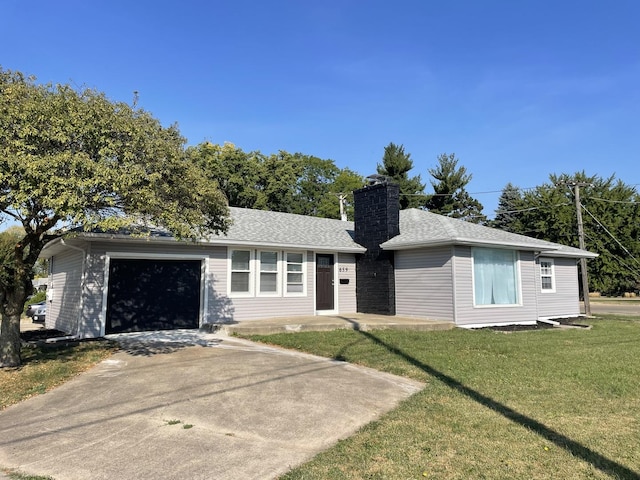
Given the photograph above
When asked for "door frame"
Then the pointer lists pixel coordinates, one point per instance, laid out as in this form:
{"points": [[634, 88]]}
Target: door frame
{"points": [[333, 311], [204, 275]]}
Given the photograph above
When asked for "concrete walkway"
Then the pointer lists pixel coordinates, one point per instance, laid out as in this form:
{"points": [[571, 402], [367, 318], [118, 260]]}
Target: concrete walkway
{"points": [[185, 404], [355, 321]]}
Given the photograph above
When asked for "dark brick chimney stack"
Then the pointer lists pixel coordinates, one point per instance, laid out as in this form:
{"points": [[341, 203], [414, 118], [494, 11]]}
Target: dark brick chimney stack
{"points": [[377, 219]]}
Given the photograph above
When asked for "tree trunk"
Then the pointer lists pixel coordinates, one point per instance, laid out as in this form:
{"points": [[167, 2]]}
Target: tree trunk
{"points": [[10, 341]]}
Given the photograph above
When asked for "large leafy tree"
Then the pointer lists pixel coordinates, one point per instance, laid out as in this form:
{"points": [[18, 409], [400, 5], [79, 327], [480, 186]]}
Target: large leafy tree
{"points": [[396, 164], [236, 172], [282, 182], [611, 220], [340, 190], [450, 197], [71, 157]]}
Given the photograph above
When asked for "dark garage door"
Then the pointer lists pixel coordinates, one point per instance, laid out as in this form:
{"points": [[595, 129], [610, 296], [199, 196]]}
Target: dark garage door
{"points": [[152, 295]]}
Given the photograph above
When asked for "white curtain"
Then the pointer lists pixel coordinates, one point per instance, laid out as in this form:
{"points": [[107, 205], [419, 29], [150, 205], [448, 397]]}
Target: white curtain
{"points": [[495, 278]]}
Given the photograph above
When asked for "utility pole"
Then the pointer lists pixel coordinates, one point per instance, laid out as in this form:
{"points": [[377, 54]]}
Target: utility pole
{"points": [[583, 261]]}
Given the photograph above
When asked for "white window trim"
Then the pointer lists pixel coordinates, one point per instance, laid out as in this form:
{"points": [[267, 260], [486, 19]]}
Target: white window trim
{"points": [[252, 267], [552, 276], [285, 272], [278, 273], [254, 273], [518, 281]]}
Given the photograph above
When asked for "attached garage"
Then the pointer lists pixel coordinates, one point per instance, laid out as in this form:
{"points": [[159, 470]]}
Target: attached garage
{"points": [[153, 294]]}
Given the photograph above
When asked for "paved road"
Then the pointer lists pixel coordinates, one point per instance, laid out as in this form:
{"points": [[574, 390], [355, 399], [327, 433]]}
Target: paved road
{"points": [[615, 308], [255, 412]]}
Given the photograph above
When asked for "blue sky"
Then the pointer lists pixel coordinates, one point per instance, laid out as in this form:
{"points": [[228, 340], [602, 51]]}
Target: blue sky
{"points": [[516, 89]]}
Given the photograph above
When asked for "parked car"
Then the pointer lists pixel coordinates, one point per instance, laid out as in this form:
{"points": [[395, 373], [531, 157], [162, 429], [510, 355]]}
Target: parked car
{"points": [[32, 307], [40, 314]]}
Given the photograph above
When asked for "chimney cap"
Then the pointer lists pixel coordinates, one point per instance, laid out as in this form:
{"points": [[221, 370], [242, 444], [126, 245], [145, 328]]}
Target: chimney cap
{"points": [[377, 179]]}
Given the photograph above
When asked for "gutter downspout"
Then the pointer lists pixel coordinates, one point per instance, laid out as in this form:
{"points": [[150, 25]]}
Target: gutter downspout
{"points": [[82, 282]]}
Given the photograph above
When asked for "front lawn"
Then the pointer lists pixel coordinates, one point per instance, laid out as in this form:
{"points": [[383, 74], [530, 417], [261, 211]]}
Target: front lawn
{"points": [[46, 367], [561, 404]]}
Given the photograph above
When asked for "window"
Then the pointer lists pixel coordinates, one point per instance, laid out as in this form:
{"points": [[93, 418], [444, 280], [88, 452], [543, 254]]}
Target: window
{"points": [[241, 271], [266, 273], [268, 283], [295, 274], [547, 280], [495, 277]]}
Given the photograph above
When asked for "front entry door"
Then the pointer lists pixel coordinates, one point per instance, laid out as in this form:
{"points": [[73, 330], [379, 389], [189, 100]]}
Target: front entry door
{"points": [[324, 282]]}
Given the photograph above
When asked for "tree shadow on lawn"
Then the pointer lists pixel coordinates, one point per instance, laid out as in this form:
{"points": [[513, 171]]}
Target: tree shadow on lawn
{"points": [[599, 461]]}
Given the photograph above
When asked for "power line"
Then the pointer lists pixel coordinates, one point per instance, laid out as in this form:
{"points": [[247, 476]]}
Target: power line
{"points": [[498, 212], [612, 201], [623, 263], [611, 235]]}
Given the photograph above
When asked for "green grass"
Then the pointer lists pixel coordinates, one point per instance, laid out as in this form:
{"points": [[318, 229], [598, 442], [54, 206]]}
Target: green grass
{"points": [[14, 475], [561, 404], [44, 368]]}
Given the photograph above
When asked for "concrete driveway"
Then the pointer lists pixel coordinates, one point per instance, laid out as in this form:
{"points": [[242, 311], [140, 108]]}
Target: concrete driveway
{"points": [[184, 404]]}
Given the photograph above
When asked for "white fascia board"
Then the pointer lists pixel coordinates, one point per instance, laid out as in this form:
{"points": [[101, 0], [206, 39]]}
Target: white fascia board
{"points": [[560, 253], [470, 242], [218, 241]]}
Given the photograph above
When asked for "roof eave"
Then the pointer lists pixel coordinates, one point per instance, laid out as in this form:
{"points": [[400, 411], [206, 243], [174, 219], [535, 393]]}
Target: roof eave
{"points": [[560, 253], [469, 242], [90, 236]]}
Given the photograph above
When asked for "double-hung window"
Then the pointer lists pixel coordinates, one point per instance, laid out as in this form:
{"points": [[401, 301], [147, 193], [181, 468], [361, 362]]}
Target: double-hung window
{"points": [[241, 283], [547, 280], [266, 273], [495, 277], [268, 281], [295, 274]]}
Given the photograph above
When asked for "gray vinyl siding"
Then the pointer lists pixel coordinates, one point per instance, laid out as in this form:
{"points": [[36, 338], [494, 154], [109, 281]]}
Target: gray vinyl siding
{"points": [[65, 292], [91, 322], [347, 291], [424, 286], [564, 302], [465, 311], [237, 309]]}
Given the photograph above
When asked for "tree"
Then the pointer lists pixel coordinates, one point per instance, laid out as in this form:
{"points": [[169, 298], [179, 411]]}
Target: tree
{"points": [[509, 206], [611, 219], [284, 182], [450, 197], [342, 186], [236, 172], [277, 185], [397, 164], [74, 158]]}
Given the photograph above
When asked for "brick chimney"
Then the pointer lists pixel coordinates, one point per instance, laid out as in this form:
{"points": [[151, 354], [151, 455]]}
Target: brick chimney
{"points": [[377, 219]]}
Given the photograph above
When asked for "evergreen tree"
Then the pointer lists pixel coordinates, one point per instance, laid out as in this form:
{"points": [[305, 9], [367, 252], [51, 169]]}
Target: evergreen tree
{"points": [[450, 196], [396, 165], [509, 206]]}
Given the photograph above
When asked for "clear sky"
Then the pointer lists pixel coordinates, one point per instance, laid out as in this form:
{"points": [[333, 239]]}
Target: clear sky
{"points": [[517, 89]]}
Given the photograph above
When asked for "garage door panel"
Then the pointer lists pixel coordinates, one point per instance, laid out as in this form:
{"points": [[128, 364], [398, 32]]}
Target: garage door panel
{"points": [[153, 295]]}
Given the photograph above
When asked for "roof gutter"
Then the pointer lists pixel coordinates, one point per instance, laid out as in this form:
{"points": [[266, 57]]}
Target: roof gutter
{"points": [[221, 241], [469, 242]]}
